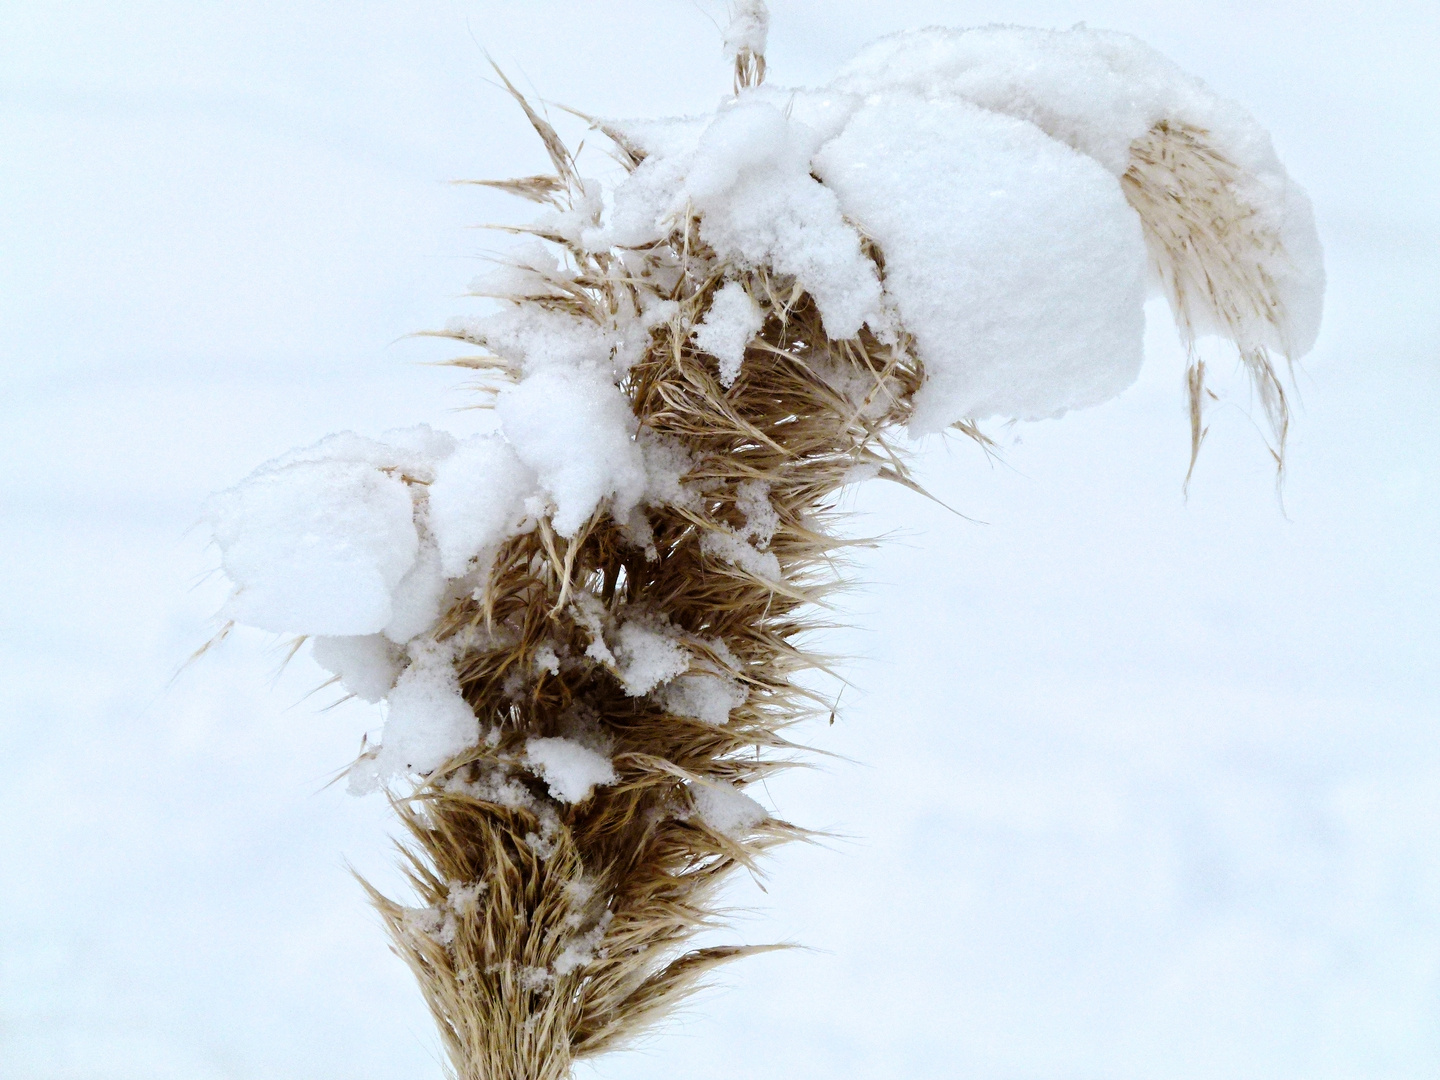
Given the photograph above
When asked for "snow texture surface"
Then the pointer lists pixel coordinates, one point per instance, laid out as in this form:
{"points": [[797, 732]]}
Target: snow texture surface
{"points": [[570, 769], [748, 29], [733, 319], [1014, 260], [1097, 92], [726, 809]]}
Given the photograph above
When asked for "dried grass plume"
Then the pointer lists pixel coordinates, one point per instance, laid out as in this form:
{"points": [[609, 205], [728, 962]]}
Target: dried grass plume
{"points": [[658, 645]]}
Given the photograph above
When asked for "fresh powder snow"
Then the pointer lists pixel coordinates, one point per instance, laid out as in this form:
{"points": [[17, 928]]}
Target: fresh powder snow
{"points": [[1097, 92], [748, 29], [570, 769], [428, 721], [726, 809], [733, 319]]}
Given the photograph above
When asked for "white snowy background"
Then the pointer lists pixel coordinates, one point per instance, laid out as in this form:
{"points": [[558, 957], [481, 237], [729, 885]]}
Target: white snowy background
{"points": [[1138, 787]]}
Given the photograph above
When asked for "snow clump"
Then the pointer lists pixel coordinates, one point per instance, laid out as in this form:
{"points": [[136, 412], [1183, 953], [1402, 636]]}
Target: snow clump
{"points": [[726, 809], [317, 541], [733, 319], [705, 697], [648, 654], [1098, 92], [477, 500], [746, 172], [366, 665], [961, 200], [748, 29], [428, 721], [570, 769]]}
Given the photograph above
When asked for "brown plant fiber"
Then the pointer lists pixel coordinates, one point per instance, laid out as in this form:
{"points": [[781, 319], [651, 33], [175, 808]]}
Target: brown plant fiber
{"points": [[546, 932], [1211, 255]]}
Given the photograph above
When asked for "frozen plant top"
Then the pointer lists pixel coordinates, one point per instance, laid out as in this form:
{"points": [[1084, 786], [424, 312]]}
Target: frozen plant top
{"points": [[748, 29], [997, 200]]}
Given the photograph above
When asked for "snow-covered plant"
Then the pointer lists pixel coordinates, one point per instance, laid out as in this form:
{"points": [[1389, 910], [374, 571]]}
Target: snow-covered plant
{"points": [[587, 626]]}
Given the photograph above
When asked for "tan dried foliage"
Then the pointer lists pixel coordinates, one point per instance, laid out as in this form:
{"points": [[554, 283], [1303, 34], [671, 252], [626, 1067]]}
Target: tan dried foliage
{"points": [[628, 876], [548, 932], [1211, 251]]}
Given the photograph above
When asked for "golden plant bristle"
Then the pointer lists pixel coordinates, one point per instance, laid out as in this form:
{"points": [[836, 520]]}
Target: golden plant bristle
{"points": [[548, 932], [1211, 253]]}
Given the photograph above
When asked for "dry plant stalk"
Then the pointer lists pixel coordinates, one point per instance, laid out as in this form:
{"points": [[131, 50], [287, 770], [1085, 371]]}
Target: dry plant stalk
{"points": [[546, 937], [589, 625], [548, 931]]}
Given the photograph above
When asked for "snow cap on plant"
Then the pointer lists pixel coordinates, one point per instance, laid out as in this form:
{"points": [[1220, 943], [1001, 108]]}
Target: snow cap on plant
{"points": [[586, 626]]}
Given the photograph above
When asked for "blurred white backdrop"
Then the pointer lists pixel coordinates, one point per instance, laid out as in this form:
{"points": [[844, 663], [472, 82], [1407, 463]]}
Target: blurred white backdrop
{"points": [[1136, 787]]}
